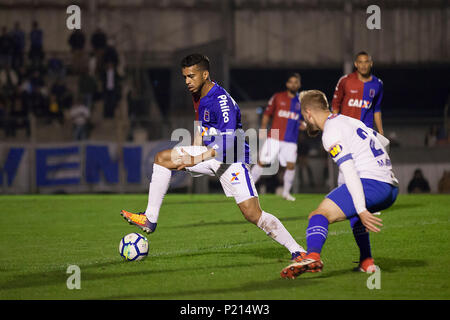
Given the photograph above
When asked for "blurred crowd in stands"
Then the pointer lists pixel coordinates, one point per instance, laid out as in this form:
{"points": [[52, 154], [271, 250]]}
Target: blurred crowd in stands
{"points": [[32, 83], [419, 184]]}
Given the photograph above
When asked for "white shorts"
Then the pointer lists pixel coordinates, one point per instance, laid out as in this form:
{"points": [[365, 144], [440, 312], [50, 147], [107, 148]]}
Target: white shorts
{"points": [[235, 178], [272, 148]]}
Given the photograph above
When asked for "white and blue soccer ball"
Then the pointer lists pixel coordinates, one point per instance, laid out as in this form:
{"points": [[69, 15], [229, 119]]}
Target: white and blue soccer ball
{"points": [[133, 247]]}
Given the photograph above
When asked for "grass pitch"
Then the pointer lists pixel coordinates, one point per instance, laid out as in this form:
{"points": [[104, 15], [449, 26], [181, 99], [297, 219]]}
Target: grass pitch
{"points": [[204, 249]]}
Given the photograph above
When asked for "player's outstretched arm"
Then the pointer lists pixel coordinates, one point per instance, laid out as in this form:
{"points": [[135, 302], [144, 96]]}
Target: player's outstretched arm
{"points": [[338, 96], [354, 186], [378, 122], [377, 109]]}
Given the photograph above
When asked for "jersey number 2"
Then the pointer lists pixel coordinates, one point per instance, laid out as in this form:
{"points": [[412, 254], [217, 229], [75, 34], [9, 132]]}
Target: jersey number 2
{"points": [[376, 152]]}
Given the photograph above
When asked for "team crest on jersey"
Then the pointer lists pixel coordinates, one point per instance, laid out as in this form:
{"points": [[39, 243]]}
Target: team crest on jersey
{"points": [[372, 93], [206, 116], [335, 150]]}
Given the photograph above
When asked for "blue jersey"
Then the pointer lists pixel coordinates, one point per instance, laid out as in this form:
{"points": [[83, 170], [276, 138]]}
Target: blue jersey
{"points": [[221, 126]]}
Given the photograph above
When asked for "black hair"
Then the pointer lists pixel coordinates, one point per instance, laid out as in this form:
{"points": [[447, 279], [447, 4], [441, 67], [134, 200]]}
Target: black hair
{"points": [[362, 53], [294, 75], [196, 59]]}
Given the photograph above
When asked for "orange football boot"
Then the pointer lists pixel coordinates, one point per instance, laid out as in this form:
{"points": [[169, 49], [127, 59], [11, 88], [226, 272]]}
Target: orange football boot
{"points": [[309, 263], [366, 265], [140, 220]]}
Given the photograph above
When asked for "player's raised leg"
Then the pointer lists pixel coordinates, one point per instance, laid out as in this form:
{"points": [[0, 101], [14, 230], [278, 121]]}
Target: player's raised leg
{"points": [[316, 235], [237, 182], [158, 187]]}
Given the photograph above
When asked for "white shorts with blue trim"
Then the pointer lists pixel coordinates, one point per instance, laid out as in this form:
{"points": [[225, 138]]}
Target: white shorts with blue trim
{"points": [[235, 178]]}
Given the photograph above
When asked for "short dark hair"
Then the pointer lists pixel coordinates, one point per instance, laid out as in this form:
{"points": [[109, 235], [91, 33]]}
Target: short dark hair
{"points": [[362, 53], [294, 75], [196, 59]]}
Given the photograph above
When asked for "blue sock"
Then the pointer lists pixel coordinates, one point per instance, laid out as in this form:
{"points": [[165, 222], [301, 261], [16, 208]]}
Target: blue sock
{"points": [[316, 233], [361, 238]]}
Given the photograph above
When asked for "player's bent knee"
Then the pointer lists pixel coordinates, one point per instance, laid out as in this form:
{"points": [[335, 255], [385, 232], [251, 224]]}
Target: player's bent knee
{"points": [[316, 212], [329, 210], [162, 157], [249, 216], [331, 217], [251, 210], [159, 157], [252, 217]]}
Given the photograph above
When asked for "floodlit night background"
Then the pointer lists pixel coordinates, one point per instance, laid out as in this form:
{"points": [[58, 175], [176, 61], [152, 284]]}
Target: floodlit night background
{"points": [[47, 70]]}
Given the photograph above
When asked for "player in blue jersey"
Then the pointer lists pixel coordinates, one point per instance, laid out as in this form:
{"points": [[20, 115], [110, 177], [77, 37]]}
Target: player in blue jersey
{"points": [[224, 154], [369, 183]]}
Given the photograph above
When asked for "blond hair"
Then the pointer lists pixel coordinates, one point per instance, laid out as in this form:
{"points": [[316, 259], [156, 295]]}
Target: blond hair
{"points": [[314, 99]]}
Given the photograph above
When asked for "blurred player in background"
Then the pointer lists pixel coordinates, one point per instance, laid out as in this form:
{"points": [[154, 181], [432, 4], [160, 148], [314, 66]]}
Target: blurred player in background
{"points": [[284, 109], [224, 154], [359, 94], [369, 185]]}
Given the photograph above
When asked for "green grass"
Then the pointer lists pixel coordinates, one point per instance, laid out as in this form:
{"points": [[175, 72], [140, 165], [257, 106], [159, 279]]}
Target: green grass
{"points": [[204, 249]]}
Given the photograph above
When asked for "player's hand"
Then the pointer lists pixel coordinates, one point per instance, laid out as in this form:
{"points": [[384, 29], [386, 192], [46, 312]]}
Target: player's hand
{"points": [[370, 221], [184, 160]]}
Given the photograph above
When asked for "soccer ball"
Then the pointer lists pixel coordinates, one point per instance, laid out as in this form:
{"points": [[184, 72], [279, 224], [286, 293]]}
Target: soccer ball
{"points": [[133, 247]]}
